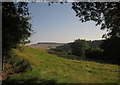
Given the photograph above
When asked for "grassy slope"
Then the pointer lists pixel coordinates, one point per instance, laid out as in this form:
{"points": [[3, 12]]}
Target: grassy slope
{"points": [[50, 67]]}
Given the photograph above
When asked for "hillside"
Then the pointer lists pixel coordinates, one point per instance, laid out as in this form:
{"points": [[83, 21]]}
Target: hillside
{"points": [[46, 45], [53, 69], [54, 43]]}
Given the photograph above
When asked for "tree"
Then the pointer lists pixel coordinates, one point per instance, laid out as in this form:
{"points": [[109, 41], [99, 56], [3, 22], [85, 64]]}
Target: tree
{"points": [[106, 14], [66, 48], [15, 24], [111, 48], [94, 53], [78, 47]]}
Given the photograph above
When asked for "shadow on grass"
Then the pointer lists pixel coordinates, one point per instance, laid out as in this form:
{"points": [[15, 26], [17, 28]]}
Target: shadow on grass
{"points": [[64, 55], [33, 81], [103, 61], [72, 57]]}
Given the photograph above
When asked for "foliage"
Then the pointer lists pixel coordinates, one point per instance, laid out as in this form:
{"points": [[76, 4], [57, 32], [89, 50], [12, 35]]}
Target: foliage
{"points": [[64, 51], [19, 64], [65, 55], [94, 43], [106, 14], [63, 48], [94, 53], [111, 49], [78, 47], [15, 24]]}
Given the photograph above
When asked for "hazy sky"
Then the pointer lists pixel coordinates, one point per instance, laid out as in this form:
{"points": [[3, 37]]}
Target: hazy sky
{"points": [[58, 23]]}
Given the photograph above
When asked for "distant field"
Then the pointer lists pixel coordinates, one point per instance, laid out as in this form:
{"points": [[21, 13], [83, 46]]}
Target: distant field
{"points": [[46, 46], [53, 69]]}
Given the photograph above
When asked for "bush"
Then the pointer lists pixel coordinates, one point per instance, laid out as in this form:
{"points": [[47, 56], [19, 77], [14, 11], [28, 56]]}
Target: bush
{"points": [[78, 47], [94, 53], [111, 48], [18, 63]]}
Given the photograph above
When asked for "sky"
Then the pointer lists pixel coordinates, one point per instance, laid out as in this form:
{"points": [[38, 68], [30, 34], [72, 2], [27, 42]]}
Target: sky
{"points": [[58, 23]]}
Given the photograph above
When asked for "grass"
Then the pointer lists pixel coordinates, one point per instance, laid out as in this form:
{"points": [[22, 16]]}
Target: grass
{"points": [[52, 69]]}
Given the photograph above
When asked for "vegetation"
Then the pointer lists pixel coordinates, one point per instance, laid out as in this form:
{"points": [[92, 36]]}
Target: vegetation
{"points": [[47, 68], [78, 47], [111, 48], [63, 48], [37, 66], [19, 64], [94, 53], [105, 14], [52, 43], [94, 43], [16, 27], [81, 49]]}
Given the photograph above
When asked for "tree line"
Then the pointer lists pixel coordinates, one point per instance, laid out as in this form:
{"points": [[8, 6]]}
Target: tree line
{"points": [[85, 50]]}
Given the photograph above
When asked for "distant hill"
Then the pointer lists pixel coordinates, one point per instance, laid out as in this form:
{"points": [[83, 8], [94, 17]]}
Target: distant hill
{"points": [[46, 45], [53, 43]]}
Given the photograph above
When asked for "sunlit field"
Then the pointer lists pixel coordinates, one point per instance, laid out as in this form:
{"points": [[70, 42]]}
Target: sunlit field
{"points": [[52, 69]]}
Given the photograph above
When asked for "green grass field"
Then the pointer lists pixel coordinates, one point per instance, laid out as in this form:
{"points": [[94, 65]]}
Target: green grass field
{"points": [[50, 68]]}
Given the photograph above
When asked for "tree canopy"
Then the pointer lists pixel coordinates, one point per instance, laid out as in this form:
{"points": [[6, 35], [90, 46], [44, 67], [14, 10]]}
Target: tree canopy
{"points": [[78, 47], [15, 24], [106, 14]]}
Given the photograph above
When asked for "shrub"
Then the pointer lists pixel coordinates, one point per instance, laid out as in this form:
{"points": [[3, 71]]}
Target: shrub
{"points": [[111, 48], [78, 47], [94, 53], [18, 63]]}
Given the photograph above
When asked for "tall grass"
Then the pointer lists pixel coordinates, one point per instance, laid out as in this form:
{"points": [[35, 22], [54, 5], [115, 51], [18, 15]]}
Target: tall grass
{"points": [[52, 69], [19, 64]]}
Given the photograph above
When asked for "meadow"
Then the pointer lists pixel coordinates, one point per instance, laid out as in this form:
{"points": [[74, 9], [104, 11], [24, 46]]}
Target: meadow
{"points": [[49, 68]]}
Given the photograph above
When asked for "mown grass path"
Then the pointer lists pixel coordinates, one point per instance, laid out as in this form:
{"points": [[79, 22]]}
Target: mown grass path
{"points": [[50, 68]]}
